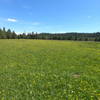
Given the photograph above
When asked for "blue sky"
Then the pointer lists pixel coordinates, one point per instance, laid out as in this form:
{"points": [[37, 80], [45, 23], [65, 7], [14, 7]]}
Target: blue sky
{"points": [[50, 15]]}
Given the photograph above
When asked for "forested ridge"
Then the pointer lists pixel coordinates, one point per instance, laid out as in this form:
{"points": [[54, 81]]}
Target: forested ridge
{"points": [[8, 34]]}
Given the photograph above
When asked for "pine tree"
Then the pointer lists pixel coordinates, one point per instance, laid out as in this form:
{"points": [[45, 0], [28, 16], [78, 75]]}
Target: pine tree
{"points": [[9, 34]]}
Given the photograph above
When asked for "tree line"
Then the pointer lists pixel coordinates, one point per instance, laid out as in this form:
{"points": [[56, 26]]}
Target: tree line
{"points": [[8, 34]]}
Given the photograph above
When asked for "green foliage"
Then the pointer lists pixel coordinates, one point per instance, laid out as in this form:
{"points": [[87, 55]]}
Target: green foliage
{"points": [[49, 70], [50, 36], [7, 34]]}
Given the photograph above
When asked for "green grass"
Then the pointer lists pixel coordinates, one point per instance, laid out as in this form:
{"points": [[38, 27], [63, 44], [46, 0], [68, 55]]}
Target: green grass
{"points": [[49, 70]]}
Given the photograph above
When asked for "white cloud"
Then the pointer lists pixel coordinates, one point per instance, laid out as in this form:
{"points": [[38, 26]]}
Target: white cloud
{"points": [[11, 20], [35, 23], [26, 7], [89, 16]]}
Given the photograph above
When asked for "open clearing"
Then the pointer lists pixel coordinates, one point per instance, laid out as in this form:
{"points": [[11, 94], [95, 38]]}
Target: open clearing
{"points": [[49, 70]]}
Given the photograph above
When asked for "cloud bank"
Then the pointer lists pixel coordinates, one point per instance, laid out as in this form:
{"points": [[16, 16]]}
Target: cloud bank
{"points": [[11, 20]]}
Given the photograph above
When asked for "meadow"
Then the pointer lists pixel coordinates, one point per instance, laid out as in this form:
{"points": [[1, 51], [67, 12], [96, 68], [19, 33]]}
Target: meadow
{"points": [[49, 70]]}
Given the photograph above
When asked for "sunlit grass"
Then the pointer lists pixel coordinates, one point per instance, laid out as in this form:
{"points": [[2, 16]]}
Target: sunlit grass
{"points": [[49, 70]]}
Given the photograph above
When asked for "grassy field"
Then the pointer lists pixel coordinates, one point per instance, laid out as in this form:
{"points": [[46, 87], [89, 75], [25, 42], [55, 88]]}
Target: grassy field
{"points": [[49, 70]]}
